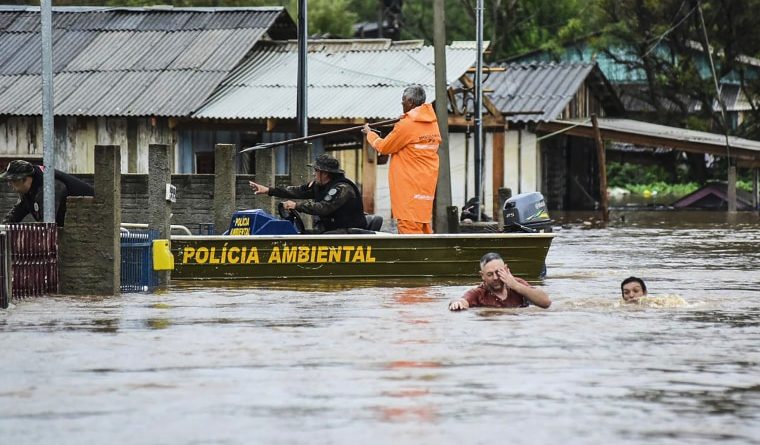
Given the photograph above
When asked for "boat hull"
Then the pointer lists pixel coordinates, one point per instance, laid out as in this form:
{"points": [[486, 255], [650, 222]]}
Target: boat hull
{"points": [[353, 256]]}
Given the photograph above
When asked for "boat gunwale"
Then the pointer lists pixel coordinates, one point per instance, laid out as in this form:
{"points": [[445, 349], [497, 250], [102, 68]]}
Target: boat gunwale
{"points": [[362, 236]]}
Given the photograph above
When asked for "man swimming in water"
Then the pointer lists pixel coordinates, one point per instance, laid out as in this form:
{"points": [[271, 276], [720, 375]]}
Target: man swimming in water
{"points": [[632, 289]]}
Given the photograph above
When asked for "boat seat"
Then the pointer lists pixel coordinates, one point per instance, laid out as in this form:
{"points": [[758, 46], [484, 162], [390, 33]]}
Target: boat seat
{"points": [[374, 222]]}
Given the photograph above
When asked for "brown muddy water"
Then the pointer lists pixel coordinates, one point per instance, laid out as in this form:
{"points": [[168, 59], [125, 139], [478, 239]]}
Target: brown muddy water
{"points": [[349, 363]]}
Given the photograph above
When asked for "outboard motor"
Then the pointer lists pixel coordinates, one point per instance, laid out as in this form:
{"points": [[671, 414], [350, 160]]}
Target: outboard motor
{"points": [[526, 212]]}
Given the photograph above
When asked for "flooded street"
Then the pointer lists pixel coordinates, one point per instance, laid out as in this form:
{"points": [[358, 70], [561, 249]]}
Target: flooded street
{"points": [[333, 363]]}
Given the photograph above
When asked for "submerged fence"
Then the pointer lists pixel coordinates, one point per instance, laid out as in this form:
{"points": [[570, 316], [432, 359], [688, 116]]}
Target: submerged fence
{"points": [[28, 261], [137, 272]]}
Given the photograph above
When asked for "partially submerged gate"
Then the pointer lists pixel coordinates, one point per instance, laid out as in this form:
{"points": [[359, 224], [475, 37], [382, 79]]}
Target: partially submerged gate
{"points": [[28, 261]]}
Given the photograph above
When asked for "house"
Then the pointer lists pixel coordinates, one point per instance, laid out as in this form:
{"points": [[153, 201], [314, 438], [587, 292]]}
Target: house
{"points": [[350, 82], [524, 95], [124, 76], [631, 84]]}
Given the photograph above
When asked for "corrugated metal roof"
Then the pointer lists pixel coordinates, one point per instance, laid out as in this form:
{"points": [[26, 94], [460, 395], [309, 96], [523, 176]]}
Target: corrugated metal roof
{"points": [[128, 61], [546, 87], [342, 83]]}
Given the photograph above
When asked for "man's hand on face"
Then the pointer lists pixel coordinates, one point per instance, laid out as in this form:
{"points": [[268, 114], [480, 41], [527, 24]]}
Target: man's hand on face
{"points": [[506, 277], [289, 205]]}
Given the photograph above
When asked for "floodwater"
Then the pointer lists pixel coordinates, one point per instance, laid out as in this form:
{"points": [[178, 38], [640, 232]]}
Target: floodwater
{"points": [[334, 363]]}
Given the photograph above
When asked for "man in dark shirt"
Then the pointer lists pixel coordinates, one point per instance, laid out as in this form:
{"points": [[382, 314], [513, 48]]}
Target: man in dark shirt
{"points": [[331, 196], [500, 288], [26, 180]]}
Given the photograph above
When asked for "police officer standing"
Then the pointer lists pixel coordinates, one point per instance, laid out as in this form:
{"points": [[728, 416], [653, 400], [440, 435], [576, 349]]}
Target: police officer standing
{"points": [[331, 196], [26, 180]]}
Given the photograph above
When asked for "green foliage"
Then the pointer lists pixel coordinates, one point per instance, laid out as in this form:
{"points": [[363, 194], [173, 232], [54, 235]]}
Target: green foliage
{"points": [[625, 174], [662, 188]]}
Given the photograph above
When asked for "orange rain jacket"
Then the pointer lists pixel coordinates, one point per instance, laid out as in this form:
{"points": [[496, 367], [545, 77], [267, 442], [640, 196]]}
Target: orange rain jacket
{"points": [[413, 174]]}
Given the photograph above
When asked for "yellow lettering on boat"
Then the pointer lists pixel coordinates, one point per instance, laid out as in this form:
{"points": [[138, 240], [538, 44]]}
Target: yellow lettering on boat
{"points": [[322, 254], [253, 256], [212, 257], [358, 255], [334, 255], [289, 254], [187, 253], [274, 257], [201, 255], [303, 254], [240, 231], [347, 250], [233, 251], [369, 258]]}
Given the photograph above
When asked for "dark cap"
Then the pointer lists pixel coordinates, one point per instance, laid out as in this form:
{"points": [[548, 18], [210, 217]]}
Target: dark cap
{"points": [[17, 169], [327, 163]]}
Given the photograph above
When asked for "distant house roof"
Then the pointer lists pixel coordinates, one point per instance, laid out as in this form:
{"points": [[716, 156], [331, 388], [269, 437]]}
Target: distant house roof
{"points": [[347, 79], [152, 61], [635, 97], [545, 87], [715, 197]]}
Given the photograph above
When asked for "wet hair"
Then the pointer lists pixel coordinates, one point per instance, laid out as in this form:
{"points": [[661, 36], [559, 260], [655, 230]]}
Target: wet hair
{"points": [[415, 93], [631, 280], [487, 258]]}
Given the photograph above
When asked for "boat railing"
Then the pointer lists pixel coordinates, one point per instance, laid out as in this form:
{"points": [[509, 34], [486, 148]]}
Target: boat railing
{"points": [[125, 228]]}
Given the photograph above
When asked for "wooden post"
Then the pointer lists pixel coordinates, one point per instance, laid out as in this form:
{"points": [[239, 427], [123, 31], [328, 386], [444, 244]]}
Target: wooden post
{"points": [[265, 175], [443, 188], [504, 194], [756, 190], [602, 160], [731, 192], [369, 176], [225, 173], [498, 172]]}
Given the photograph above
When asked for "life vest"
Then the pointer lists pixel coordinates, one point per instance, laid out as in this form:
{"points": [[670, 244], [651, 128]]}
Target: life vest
{"points": [[350, 215]]}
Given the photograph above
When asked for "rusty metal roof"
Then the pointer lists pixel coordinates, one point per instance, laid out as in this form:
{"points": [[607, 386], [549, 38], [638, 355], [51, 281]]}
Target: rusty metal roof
{"points": [[157, 61], [347, 79]]}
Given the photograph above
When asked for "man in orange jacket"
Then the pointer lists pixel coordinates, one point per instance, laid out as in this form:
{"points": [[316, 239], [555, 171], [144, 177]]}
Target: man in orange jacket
{"points": [[413, 175]]}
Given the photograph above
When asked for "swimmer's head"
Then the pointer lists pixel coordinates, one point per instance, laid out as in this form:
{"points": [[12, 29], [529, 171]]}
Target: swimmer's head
{"points": [[632, 289]]}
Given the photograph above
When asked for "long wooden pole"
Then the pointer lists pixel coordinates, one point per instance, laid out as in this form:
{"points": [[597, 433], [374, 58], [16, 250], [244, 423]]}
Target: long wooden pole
{"points": [[601, 156], [316, 136], [443, 189]]}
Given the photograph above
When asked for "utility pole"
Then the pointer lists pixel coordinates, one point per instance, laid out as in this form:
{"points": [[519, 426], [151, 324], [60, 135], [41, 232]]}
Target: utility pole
{"points": [[479, 111], [302, 107], [443, 190], [48, 151]]}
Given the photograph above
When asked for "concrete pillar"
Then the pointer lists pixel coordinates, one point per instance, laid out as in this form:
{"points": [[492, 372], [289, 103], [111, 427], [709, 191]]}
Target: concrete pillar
{"points": [[159, 208], [300, 172], [731, 193], [265, 175], [90, 255], [225, 173]]}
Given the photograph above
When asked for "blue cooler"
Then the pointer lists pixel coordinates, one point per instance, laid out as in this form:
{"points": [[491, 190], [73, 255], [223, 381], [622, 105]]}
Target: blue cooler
{"points": [[259, 222]]}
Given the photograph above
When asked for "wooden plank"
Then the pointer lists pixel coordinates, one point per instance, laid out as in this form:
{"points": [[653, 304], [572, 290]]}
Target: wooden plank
{"points": [[601, 157], [498, 171], [369, 176]]}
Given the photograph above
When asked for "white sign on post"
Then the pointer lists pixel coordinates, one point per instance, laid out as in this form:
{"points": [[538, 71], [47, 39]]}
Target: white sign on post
{"points": [[171, 193]]}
